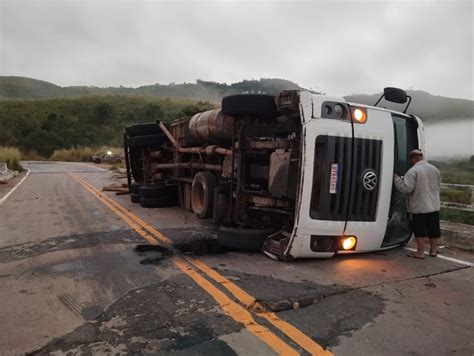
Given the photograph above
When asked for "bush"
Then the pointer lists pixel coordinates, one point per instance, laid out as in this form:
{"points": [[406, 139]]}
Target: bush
{"points": [[81, 154], [32, 156], [11, 156]]}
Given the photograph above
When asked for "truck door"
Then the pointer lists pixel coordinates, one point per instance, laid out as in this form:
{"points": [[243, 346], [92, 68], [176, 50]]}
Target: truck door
{"points": [[406, 139], [371, 183]]}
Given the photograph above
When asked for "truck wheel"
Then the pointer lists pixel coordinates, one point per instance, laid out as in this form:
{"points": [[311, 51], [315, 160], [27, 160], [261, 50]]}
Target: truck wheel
{"points": [[134, 188], [202, 194], [158, 191], [243, 239], [143, 129], [148, 140], [135, 198], [248, 104], [160, 202]]}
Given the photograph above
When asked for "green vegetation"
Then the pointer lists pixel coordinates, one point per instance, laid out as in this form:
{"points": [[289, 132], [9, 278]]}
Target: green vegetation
{"points": [[28, 88], [459, 171], [11, 156], [457, 216], [456, 196], [44, 126]]}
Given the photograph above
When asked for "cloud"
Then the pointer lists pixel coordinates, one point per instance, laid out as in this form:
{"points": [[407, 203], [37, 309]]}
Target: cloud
{"points": [[338, 47]]}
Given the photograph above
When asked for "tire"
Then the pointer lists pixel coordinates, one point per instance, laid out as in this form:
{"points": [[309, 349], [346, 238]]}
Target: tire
{"points": [[148, 140], [243, 239], [160, 202], [158, 191], [135, 188], [202, 194], [118, 161], [135, 198], [150, 128], [97, 160], [249, 104]]}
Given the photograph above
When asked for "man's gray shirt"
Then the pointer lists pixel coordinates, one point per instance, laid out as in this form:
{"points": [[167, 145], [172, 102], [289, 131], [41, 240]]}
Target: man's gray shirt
{"points": [[422, 184]]}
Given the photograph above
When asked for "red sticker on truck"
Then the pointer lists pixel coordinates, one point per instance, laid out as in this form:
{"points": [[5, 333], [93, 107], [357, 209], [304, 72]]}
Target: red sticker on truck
{"points": [[334, 178]]}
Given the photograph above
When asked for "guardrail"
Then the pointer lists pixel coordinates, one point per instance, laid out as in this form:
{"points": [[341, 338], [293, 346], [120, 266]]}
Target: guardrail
{"points": [[458, 206]]}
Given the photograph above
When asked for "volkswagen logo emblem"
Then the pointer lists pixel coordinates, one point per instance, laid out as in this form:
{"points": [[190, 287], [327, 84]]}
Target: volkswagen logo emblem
{"points": [[369, 180]]}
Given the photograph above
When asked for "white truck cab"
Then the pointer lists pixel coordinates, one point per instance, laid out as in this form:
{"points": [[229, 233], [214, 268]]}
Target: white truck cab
{"points": [[347, 202]]}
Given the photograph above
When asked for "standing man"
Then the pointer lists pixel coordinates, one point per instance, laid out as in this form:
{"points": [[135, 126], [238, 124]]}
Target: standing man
{"points": [[422, 184]]}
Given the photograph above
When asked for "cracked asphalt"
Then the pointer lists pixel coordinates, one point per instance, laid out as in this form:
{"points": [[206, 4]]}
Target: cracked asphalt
{"points": [[77, 279]]}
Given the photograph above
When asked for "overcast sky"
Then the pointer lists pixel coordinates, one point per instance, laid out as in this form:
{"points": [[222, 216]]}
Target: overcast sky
{"points": [[334, 46]]}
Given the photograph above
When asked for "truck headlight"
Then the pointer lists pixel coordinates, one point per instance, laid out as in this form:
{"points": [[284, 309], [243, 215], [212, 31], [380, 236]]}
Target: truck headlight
{"points": [[348, 243], [359, 115]]}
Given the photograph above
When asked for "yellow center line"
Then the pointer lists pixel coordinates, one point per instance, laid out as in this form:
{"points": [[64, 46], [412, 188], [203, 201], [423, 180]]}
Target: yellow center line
{"points": [[238, 312], [250, 302], [231, 308]]}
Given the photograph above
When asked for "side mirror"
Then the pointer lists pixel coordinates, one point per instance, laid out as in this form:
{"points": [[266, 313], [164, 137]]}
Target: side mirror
{"points": [[395, 95]]}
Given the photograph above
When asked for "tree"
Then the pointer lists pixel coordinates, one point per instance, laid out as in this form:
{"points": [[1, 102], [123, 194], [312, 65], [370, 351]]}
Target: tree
{"points": [[50, 122], [103, 112], [153, 112], [43, 142]]}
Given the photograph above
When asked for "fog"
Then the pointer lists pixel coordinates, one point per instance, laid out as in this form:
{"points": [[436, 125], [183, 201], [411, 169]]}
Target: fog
{"points": [[453, 139], [339, 47]]}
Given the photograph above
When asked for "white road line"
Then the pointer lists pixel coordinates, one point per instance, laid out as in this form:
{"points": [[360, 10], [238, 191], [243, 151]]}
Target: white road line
{"points": [[16, 186], [461, 262]]}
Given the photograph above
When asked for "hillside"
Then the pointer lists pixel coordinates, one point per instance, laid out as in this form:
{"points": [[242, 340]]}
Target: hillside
{"points": [[425, 105], [45, 125], [40, 116], [429, 107], [27, 88]]}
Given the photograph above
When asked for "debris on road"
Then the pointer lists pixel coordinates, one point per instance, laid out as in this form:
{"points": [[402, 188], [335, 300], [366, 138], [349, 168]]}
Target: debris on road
{"points": [[115, 188], [6, 174]]}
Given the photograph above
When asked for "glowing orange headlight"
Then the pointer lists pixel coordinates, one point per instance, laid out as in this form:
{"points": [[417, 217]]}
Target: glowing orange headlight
{"points": [[348, 242], [359, 115]]}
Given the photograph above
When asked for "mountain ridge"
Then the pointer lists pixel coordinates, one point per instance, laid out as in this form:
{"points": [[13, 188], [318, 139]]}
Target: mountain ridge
{"points": [[426, 105]]}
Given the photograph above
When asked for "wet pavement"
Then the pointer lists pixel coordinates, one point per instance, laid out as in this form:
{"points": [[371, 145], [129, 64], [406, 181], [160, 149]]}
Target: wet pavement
{"points": [[77, 277]]}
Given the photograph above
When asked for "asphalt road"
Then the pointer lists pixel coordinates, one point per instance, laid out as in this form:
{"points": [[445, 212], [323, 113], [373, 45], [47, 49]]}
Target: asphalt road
{"points": [[73, 280]]}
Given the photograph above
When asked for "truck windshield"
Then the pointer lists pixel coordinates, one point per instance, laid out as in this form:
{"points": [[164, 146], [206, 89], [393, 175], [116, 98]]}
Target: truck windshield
{"points": [[406, 139]]}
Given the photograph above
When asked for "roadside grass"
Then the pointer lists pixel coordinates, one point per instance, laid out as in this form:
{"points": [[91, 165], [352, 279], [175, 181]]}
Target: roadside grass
{"points": [[456, 196], [11, 156], [81, 154], [458, 171], [457, 216]]}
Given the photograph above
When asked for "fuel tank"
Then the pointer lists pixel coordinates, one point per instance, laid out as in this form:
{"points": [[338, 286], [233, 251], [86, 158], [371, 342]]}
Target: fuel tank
{"points": [[211, 126]]}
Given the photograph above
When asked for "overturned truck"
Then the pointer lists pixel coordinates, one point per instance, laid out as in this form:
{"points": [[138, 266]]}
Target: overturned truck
{"points": [[296, 174]]}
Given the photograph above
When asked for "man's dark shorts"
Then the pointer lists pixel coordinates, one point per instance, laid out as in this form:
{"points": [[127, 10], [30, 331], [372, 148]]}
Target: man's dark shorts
{"points": [[426, 225]]}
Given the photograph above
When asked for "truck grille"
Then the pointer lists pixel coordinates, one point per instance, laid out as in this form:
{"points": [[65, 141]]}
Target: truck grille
{"points": [[353, 158]]}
